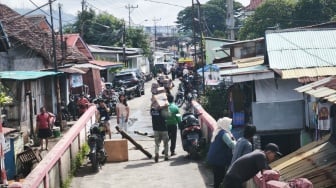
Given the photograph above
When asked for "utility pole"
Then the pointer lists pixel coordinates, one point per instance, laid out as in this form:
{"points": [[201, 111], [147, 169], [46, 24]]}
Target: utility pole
{"points": [[155, 20], [57, 87], [124, 43], [129, 7], [83, 5], [201, 43], [61, 32], [194, 32], [230, 22]]}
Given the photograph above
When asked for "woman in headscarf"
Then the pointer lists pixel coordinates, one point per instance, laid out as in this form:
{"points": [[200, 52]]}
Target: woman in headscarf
{"points": [[220, 151]]}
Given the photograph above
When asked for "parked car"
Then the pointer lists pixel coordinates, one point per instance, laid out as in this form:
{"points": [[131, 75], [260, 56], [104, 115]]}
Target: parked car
{"points": [[132, 79]]}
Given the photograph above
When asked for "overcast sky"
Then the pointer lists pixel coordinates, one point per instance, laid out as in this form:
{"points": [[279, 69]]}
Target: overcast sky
{"points": [[143, 13]]}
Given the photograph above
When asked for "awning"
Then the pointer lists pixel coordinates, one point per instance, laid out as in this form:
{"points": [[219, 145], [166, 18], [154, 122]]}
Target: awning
{"points": [[72, 70], [26, 75], [245, 74], [88, 66], [107, 64], [308, 72], [325, 89], [249, 62]]}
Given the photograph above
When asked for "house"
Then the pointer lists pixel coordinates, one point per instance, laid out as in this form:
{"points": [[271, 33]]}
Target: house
{"points": [[91, 80], [29, 54], [132, 58]]}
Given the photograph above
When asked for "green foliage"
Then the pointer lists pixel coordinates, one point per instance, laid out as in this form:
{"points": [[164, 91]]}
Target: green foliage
{"points": [[213, 18], [75, 164], [107, 30], [283, 14], [4, 97], [310, 12], [272, 14], [215, 102]]}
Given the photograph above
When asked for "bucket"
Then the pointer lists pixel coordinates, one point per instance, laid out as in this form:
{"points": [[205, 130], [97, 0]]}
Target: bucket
{"points": [[57, 132]]}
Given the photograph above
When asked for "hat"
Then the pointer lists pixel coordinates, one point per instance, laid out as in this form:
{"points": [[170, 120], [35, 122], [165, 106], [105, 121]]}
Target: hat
{"points": [[274, 148]]}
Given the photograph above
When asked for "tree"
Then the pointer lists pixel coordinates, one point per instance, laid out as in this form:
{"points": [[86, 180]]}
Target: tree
{"points": [[310, 12], [273, 14], [276, 14], [105, 29], [213, 18]]}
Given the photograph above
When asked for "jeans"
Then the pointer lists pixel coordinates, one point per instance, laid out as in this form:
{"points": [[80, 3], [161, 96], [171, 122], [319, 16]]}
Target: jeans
{"points": [[172, 132], [123, 123], [158, 137]]}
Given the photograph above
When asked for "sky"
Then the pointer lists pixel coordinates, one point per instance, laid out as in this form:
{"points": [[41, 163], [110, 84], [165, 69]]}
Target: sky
{"points": [[144, 12]]}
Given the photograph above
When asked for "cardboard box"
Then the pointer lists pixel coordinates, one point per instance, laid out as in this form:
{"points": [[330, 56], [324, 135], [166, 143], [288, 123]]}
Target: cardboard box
{"points": [[116, 150], [160, 100], [160, 90]]}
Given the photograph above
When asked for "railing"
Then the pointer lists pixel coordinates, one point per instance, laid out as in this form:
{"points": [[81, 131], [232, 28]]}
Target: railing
{"points": [[55, 167]]}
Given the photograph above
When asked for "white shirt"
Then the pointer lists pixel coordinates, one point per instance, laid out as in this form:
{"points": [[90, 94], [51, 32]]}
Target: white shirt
{"points": [[122, 109]]}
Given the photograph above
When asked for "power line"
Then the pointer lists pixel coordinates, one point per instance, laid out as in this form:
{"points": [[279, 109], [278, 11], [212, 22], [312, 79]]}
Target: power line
{"points": [[175, 5], [130, 7]]}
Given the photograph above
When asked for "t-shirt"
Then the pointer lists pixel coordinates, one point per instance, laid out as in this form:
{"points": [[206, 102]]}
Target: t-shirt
{"points": [[243, 146], [171, 118], [103, 113], [248, 165], [43, 119], [158, 120], [122, 109]]}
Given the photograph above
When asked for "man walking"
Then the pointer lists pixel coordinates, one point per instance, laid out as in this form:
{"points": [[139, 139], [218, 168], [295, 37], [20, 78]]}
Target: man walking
{"points": [[171, 122], [160, 131]]}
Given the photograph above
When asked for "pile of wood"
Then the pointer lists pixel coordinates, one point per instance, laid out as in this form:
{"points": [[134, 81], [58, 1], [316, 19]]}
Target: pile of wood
{"points": [[315, 161]]}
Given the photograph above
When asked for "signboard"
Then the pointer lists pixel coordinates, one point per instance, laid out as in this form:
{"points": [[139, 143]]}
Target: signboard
{"points": [[76, 80]]}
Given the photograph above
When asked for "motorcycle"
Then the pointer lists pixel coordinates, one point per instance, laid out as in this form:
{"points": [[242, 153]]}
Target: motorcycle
{"points": [[97, 154], [179, 98], [191, 135], [189, 98]]}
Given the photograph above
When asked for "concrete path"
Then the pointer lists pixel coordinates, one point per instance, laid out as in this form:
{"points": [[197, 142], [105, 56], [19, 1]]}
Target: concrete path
{"points": [[140, 171]]}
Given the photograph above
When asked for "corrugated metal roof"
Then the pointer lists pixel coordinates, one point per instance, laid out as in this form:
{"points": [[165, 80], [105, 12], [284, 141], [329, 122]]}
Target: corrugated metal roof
{"points": [[106, 63], [308, 72], [301, 48], [245, 70], [26, 75], [324, 88], [248, 62]]}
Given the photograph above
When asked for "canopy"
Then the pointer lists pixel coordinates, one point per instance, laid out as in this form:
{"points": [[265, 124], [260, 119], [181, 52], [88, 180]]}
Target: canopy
{"points": [[26, 75], [208, 68]]}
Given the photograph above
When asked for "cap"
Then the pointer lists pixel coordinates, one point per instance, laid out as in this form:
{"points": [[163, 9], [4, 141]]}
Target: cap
{"points": [[274, 148]]}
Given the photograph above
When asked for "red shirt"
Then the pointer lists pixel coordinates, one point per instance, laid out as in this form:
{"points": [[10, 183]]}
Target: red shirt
{"points": [[42, 120]]}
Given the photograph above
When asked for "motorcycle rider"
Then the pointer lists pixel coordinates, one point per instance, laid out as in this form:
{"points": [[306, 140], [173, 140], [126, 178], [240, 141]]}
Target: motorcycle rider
{"points": [[103, 111]]}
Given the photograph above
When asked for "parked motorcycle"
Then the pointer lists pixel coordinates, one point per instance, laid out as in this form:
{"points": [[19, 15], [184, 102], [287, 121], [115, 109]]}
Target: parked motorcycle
{"points": [[97, 154], [191, 135]]}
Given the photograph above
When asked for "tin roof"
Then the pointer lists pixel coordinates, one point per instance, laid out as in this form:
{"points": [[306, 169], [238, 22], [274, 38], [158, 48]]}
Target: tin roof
{"points": [[248, 62], [307, 51], [325, 89], [26, 75], [245, 70]]}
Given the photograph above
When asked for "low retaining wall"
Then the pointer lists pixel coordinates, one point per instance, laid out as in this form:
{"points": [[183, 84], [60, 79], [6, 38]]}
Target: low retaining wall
{"points": [[56, 165]]}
